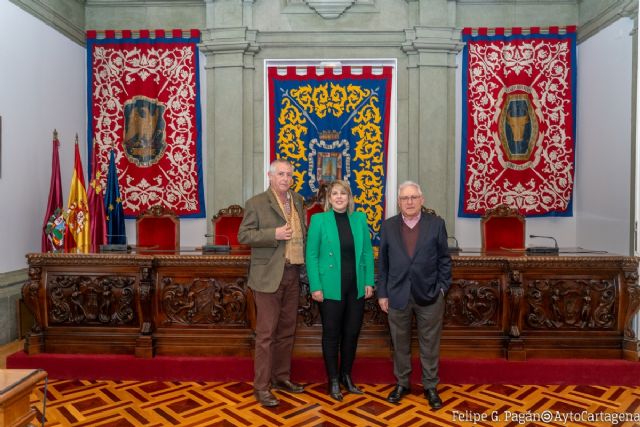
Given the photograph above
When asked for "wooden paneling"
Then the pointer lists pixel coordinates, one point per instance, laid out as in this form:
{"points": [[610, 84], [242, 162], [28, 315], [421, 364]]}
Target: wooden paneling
{"points": [[507, 306]]}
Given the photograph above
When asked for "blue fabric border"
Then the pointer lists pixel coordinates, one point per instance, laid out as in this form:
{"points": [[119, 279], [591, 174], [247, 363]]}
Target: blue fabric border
{"points": [[195, 40], [464, 136]]}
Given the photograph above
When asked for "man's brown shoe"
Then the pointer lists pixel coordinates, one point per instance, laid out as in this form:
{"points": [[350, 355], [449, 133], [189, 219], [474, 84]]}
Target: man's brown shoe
{"points": [[266, 398], [288, 386]]}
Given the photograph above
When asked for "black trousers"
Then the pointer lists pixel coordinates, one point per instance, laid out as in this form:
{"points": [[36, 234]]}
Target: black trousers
{"points": [[341, 323]]}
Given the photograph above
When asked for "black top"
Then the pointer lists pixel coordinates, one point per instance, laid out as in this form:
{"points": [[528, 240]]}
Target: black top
{"points": [[347, 252]]}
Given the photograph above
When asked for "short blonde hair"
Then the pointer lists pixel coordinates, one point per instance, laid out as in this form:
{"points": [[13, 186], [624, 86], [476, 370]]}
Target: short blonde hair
{"points": [[345, 185]]}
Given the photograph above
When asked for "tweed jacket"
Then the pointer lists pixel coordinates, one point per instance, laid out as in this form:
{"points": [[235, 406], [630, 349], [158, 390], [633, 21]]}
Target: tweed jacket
{"points": [[262, 215]]}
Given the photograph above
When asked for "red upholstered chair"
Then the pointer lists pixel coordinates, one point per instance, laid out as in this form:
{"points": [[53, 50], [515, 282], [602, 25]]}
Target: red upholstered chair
{"points": [[157, 229], [312, 209], [226, 224], [315, 204], [502, 228]]}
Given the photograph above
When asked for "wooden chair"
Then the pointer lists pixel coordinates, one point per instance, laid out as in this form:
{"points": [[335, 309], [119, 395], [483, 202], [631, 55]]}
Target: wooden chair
{"points": [[157, 229], [426, 210], [502, 228], [226, 224], [312, 209], [315, 204]]}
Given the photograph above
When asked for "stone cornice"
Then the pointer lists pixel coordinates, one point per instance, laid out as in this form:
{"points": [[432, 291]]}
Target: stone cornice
{"points": [[345, 38], [517, 2], [229, 40], [433, 39], [625, 8], [330, 9], [46, 12], [143, 3]]}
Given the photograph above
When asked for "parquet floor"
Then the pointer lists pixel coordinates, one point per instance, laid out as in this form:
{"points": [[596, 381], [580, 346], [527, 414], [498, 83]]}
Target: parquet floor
{"points": [[152, 404]]}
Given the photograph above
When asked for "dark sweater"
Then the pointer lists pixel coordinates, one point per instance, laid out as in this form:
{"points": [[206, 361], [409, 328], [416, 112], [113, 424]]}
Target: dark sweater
{"points": [[347, 253]]}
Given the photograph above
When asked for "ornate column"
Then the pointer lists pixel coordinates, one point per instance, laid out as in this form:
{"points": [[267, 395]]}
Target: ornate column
{"points": [[229, 47], [430, 151]]}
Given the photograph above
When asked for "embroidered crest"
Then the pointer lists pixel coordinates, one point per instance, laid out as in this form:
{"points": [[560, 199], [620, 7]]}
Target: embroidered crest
{"points": [[54, 230], [518, 127], [328, 162], [144, 131]]}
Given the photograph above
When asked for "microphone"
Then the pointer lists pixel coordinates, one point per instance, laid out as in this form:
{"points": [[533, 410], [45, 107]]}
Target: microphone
{"points": [[116, 247], [216, 248], [543, 249], [454, 250]]}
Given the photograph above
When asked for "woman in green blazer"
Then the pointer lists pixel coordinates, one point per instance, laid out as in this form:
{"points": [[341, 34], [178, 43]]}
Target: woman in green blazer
{"points": [[340, 270]]}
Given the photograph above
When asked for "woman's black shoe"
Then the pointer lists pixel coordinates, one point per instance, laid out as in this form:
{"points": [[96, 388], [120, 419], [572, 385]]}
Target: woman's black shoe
{"points": [[345, 379], [334, 389]]}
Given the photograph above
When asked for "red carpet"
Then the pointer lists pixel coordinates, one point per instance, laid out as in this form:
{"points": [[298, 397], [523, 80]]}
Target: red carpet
{"points": [[366, 370]]}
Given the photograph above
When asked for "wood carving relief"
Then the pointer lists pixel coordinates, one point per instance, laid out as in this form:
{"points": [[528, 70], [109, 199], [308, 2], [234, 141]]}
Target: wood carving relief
{"points": [[555, 304], [204, 301], [86, 300], [309, 311], [30, 292], [198, 305], [633, 294], [515, 296], [373, 315], [472, 303]]}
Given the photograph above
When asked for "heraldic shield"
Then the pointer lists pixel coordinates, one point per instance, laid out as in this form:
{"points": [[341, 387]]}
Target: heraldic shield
{"points": [[144, 131], [518, 127]]}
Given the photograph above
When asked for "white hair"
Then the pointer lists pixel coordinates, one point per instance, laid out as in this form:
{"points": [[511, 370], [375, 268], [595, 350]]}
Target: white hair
{"points": [[410, 184], [272, 166]]}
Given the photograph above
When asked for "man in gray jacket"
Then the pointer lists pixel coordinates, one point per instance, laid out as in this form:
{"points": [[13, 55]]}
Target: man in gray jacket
{"points": [[274, 227], [414, 274]]}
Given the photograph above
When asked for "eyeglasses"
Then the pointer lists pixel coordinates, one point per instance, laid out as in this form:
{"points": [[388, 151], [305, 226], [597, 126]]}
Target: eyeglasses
{"points": [[407, 198]]}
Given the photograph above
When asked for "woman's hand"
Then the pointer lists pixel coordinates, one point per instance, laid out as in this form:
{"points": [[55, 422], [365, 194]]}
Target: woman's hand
{"points": [[317, 296], [368, 292]]}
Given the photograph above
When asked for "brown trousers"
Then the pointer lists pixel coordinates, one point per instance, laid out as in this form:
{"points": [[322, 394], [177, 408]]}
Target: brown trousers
{"points": [[275, 330]]}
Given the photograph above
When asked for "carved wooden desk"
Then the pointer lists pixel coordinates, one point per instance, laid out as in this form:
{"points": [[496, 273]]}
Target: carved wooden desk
{"points": [[16, 386], [499, 305]]}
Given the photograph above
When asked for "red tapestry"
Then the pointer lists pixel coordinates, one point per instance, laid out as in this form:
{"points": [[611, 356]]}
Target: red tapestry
{"points": [[144, 104], [518, 121]]}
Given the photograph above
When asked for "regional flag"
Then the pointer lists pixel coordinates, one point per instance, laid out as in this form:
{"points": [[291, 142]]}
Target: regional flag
{"points": [[98, 223], [53, 226], [77, 235], [116, 233]]}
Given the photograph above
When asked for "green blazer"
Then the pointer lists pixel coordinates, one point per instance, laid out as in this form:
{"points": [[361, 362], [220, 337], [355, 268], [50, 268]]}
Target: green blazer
{"points": [[323, 254]]}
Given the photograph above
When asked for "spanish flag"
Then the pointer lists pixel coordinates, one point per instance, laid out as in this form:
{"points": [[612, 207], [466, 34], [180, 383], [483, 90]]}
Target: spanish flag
{"points": [[77, 235]]}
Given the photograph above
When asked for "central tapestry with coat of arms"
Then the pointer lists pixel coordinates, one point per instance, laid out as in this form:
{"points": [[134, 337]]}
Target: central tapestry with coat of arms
{"points": [[334, 124]]}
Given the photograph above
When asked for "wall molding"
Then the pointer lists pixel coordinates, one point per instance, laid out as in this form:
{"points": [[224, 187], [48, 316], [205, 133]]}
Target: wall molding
{"points": [[50, 15], [625, 8]]}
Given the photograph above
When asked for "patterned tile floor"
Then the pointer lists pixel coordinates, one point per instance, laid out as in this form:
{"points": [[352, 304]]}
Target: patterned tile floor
{"points": [[151, 404]]}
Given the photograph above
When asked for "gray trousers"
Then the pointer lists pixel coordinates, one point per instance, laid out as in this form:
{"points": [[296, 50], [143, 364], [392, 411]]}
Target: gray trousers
{"points": [[429, 329]]}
